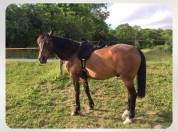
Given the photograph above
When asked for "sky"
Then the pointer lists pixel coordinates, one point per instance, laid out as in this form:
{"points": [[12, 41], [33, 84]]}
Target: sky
{"points": [[145, 15]]}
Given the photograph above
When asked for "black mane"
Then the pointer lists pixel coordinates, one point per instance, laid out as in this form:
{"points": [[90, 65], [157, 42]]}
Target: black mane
{"points": [[64, 48]]}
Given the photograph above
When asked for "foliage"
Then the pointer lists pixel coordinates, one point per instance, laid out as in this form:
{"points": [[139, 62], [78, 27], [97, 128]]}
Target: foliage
{"points": [[37, 98], [76, 21], [143, 38], [125, 33], [25, 22]]}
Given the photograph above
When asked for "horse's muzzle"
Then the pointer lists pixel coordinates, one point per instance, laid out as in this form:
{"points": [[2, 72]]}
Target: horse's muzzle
{"points": [[43, 60]]}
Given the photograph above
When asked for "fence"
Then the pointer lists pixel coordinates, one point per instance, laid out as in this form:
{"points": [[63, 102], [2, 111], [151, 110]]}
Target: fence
{"points": [[28, 53], [32, 53]]}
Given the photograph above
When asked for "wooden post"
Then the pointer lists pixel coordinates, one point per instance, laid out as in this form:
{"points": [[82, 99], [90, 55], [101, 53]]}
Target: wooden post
{"points": [[13, 49]]}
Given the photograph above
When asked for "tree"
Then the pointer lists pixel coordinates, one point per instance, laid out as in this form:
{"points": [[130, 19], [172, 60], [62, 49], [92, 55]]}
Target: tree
{"points": [[76, 21], [167, 36], [25, 22], [125, 33]]}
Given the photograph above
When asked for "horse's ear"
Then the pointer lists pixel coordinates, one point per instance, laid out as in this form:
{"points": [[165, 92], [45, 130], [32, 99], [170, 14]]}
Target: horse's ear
{"points": [[50, 33]]}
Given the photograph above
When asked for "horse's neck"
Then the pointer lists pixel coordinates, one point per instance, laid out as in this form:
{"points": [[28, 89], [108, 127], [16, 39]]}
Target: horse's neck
{"points": [[64, 48]]}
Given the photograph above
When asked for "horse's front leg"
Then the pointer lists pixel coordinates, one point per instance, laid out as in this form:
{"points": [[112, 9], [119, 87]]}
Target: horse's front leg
{"points": [[61, 69], [76, 84], [87, 91]]}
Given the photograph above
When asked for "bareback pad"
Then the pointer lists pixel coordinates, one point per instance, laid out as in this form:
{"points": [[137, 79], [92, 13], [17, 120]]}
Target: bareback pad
{"points": [[85, 50]]}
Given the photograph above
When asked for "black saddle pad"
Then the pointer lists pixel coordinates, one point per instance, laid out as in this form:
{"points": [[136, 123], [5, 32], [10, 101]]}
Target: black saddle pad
{"points": [[85, 50]]}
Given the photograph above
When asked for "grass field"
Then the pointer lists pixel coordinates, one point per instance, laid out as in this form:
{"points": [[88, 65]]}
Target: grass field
{"points": [[37, 98]]}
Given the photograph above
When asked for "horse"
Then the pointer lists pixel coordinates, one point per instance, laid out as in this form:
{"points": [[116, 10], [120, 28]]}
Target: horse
{"points": [[121, 60]]}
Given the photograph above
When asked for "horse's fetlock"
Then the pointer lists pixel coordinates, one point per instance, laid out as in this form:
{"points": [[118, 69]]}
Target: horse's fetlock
{"points": [[132, 114], [91, 104], [75, 112]]}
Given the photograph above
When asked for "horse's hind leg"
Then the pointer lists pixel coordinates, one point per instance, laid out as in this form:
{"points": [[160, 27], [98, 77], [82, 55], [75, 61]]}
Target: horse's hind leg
{"points": [[87, 91], [129, 114]]}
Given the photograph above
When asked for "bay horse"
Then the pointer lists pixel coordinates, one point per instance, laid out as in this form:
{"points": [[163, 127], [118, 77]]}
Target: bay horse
{"points": [[121, 60]]}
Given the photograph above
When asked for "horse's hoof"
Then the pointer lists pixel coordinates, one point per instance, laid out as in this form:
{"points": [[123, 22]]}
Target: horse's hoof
{"points": [[128, 121], [91, 106], [125, 115], [75, 113]]}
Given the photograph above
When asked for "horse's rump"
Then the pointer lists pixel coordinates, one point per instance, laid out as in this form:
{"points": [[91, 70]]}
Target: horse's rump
{"points": [[120, 59]]}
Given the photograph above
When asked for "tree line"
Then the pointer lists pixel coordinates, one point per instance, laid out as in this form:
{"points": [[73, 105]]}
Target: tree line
{"points": [[76, 21]]}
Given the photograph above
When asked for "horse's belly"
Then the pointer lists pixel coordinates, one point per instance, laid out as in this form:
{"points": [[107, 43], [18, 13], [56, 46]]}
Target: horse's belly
{"points": [[100, 75], [100, 65]]}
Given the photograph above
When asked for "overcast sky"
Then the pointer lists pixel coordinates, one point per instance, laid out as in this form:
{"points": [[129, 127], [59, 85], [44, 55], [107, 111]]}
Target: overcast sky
{"points": [[144, 15]]}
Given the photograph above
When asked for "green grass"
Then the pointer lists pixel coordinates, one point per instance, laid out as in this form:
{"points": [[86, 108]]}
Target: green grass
{"points": [[37, 98]]}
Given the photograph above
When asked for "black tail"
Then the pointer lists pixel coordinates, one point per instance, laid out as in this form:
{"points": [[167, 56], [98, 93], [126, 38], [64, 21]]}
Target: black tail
{"points": [[141, 76]]}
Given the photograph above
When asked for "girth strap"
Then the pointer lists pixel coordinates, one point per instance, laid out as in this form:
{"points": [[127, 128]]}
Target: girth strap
{"points": [[84, 52], [83, 62], [83, 72]]}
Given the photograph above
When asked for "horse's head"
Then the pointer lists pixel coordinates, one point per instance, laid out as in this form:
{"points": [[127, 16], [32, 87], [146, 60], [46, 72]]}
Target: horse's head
{"points": [[45, 44]]}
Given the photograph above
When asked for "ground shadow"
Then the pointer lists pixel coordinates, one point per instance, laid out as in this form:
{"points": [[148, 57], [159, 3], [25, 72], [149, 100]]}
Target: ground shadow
{"points": [[158, 120]]}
